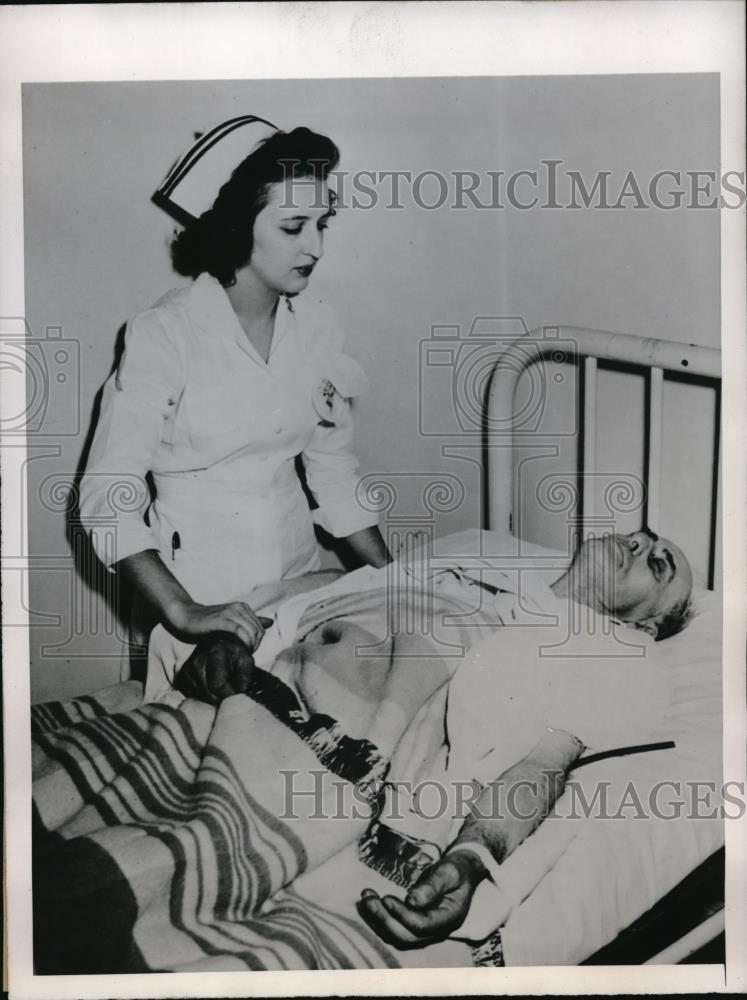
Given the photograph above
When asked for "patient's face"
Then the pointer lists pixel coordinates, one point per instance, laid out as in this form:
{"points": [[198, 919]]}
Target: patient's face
{"points": [[634, 577], [340, 669]]}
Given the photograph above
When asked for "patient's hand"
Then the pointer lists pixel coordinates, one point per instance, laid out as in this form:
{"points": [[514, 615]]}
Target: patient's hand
{"points": [[434, 908], [220, 665]]}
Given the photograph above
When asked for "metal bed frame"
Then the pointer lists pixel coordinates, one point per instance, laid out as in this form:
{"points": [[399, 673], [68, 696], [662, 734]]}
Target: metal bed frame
{"points": [[503, 432], [654, 356]]}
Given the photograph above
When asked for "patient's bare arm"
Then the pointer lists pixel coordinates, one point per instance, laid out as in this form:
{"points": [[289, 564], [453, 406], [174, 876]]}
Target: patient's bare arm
{"points": [[505, 814], [512, 807]]}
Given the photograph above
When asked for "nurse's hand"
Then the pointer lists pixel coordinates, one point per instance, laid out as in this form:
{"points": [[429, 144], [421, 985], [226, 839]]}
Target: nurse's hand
{"points": [[220, 666], [147, 573], [190, 621]]}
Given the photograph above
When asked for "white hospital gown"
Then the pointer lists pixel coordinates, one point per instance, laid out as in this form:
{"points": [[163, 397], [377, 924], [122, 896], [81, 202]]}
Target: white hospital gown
{"points": [[193, 403]]}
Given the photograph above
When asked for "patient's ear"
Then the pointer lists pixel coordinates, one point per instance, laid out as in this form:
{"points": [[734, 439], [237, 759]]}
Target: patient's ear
{"points": [[648, 625]]}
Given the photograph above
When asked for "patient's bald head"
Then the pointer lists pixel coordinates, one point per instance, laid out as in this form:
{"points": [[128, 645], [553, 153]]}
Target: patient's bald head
{"points": [[639, 578]]}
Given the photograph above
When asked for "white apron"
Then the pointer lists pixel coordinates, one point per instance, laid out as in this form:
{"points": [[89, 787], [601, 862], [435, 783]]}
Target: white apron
{"points": [[213, 536]]}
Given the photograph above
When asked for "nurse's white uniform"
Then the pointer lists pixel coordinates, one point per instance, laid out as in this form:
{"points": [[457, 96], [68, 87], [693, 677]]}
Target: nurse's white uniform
{"points": [[193, 403]]}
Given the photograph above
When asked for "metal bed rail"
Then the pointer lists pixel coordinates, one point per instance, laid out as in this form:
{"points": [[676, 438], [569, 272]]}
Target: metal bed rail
{"points": [[503, 432], [591, 346]]}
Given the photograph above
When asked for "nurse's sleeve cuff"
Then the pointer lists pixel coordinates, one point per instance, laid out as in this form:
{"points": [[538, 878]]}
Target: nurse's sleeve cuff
{"points": [[344, 516], [113, 543]]}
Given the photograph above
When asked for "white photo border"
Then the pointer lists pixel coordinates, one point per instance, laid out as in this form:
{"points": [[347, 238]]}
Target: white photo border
{"points": [[203, 41]]}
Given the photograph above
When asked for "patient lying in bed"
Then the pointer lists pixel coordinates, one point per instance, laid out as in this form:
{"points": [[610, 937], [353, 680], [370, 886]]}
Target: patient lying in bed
{"points": [[521, 705]]}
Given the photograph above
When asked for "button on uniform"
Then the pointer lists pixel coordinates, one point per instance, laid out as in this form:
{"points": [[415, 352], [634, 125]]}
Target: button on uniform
{"points": [[277, 411]]}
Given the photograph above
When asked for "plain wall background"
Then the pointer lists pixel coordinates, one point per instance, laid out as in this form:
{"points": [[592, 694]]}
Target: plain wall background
{"points": [[96, 254]]}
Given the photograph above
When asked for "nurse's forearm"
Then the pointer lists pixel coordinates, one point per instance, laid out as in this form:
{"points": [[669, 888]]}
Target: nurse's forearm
{"points": [[149, 575], [182, 616], [369, 546]]}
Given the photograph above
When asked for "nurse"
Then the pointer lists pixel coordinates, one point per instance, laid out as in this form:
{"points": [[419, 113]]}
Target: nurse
{"points": [[223, 384]]}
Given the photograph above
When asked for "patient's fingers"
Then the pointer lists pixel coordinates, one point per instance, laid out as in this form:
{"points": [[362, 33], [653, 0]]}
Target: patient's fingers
{"points": [[229, 664], [381, 920], [399, 924], [191, 680], [221, 665], [438, 880], [434, 921]]}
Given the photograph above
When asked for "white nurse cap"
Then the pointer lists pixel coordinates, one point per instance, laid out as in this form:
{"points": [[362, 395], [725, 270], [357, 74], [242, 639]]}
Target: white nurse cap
{"points": [[193, 183]]}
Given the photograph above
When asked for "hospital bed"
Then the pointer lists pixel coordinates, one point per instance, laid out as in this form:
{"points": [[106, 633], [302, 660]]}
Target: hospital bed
{"points": [[592, 884], [657, 896]]}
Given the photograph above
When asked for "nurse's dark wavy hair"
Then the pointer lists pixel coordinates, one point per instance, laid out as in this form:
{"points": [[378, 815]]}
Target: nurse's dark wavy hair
{"points": [[220, 241]]}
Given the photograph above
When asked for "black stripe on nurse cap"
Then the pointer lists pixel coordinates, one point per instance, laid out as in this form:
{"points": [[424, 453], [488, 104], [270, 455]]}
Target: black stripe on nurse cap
{"points": [[193, 183]]}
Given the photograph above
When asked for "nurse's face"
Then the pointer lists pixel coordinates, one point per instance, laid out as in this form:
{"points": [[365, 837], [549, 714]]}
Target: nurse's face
{"points": [[289, 234]]}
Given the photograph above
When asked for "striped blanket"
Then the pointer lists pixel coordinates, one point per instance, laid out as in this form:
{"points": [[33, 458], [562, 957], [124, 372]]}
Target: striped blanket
{"points": [[158, 843]]}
